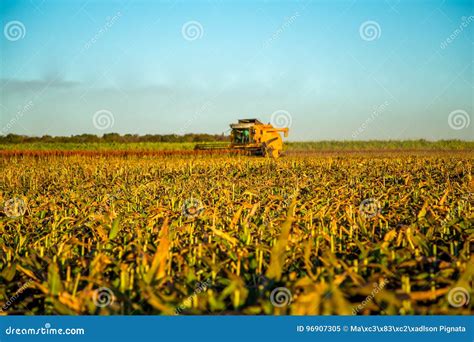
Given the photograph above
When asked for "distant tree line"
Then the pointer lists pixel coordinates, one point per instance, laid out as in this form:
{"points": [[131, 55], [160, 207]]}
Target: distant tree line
{"points": [[113, 137]]}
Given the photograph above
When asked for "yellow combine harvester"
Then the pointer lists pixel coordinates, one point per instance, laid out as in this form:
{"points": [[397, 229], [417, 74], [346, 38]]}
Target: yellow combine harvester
{"points": [[252, 136]]}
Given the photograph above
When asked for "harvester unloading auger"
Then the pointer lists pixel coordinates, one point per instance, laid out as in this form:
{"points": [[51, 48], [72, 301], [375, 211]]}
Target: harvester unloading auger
{"points": [[252, 136]]}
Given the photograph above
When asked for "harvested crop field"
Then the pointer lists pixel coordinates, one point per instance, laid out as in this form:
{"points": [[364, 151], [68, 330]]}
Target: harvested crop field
{"points": [[328, 233]]}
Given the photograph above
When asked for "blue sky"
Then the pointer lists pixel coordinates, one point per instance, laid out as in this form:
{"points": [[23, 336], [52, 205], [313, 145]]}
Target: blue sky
{"points": [[338, 70]]}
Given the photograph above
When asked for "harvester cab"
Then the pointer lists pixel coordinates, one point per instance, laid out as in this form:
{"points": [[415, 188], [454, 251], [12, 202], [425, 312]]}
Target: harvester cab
{"points": [[254, 137]]}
